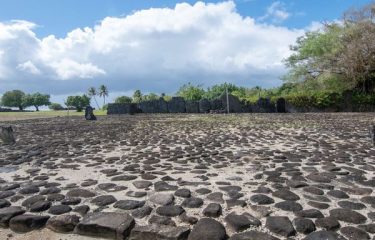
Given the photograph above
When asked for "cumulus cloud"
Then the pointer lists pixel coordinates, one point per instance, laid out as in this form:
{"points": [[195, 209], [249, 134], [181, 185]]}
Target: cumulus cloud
{"points": [[154, 50], [276, 12]]}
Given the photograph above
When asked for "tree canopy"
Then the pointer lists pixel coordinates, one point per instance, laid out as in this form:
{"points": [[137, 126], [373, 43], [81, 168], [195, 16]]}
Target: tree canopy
{"points": [[13, 99], [79, 102], [36, 100], [123, 99], [339, 57]]}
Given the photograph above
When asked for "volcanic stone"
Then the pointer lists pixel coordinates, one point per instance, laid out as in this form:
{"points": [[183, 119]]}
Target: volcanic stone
{"points": [[192, 202], [106, 225], [170, 211], [103, 200], [280, 225], [59, 209], [8, 213], [26, 223], [63, 223], [159, 232], [304, 225], [212, 210], [347, 215], [261, 199], [208, 229]]}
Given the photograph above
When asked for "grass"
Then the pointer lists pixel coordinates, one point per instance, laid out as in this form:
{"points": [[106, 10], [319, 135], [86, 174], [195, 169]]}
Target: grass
{"points": [[12, 116]]}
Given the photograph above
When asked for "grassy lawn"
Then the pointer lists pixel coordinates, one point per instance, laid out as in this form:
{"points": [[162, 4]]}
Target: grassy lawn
{"points": [[12, 116]]}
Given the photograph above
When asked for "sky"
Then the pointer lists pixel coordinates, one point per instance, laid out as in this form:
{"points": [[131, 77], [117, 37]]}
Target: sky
{"points": [[64, 47]]}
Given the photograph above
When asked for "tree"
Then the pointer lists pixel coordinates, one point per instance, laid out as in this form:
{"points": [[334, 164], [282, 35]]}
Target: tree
{"points": [[79, 102], [36, 100], [103, 92], [137, 96], [217, 90], [92, 93], [191, 92], [123, 99], [55, 107], [13, 99], [150, 97], [338, 57]]}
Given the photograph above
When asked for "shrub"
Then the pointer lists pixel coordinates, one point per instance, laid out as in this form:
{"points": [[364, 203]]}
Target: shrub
{"points": [[123, 99], [55, 107]]}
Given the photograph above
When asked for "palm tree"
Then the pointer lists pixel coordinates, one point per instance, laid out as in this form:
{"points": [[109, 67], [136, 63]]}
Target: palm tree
{"points": [[103, 92], [92, 93]]}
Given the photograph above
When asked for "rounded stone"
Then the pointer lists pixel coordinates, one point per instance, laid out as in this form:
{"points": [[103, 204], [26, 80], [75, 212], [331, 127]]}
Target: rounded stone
{"points": [[208, 229], [354, 233], [59, 209], [304, 225], [291, 206], [192, 202], [261, 199]]}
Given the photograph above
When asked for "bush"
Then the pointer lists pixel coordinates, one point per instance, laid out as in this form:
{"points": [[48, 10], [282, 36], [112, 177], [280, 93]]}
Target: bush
{"points": [[123, 99], [318, 99], [55, 107], [363, 99]]}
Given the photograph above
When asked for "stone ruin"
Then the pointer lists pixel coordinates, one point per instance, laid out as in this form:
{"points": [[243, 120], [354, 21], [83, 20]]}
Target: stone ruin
{"points": [[89, 114], [6, 135], [180, 105]]}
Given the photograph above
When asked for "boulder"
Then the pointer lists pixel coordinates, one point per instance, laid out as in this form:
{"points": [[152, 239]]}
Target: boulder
{"points": [[89, 114], [280, 225], [8, 213], [106, 224], [27, 222], [63, 223], [159, 232], [208, 229], [6, 135]]}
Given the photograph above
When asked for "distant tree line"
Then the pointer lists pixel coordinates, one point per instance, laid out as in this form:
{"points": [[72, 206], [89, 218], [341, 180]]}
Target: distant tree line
{"points": [[20, 100]]}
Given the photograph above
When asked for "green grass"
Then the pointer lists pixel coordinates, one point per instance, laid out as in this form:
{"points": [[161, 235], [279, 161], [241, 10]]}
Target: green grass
{"points": [[12, 116]]}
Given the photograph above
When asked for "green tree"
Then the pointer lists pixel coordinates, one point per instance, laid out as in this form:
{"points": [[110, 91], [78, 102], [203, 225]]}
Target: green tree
{"points": [[79, 102], [150, 97], [55, 107], [92, 93], [36, 100], [103, 92], [217, 90], [13, 99], [137, 96], [123, 99], [338, 57], [191, 92]]}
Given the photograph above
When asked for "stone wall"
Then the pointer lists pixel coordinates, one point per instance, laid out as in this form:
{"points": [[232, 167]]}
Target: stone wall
{"points": [[179, 105], [263, 105]]}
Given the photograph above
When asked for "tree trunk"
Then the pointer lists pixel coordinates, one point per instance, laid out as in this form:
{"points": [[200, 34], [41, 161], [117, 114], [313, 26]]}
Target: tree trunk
{"points": [[96, 103], [21, 108], [37, 108]]}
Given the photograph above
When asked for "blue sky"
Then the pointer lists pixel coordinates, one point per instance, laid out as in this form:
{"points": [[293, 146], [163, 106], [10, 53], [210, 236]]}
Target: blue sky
{"points": [[59, 17], [63, 47]]}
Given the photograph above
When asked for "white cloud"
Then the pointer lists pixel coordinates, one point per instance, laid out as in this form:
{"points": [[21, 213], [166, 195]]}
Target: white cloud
{"points": [[153, 50], [29, 67], [276, 12]]}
